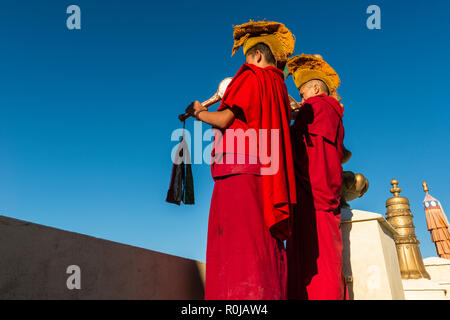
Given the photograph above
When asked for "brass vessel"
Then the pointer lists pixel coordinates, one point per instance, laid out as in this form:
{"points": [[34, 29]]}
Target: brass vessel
{"points": [[399, 215], [353, 186]]}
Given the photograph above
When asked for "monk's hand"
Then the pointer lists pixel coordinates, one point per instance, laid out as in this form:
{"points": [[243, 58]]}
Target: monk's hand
{"points": [[198, 107]]}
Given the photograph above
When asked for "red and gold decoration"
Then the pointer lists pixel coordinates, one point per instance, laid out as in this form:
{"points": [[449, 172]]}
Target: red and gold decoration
{"points": [[437, 224]]}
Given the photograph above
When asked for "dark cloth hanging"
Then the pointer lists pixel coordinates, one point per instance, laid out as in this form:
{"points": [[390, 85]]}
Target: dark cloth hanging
{"points": [[181, 186]]}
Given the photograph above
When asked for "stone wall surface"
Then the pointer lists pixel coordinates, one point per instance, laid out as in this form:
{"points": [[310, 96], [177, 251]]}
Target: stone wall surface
{"points": [[34, 261]]}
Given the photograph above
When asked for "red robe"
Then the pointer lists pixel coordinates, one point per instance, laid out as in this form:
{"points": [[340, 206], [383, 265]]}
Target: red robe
{"points": [[249, 217], [314, 251]]}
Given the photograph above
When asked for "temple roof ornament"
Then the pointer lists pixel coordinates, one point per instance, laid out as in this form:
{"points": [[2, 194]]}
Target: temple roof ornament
{"points": [[399, 215], [437, 224]]}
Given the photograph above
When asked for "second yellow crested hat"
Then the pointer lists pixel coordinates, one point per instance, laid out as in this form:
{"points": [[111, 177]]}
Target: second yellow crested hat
{"points": [[306, 67], [274, 34]]}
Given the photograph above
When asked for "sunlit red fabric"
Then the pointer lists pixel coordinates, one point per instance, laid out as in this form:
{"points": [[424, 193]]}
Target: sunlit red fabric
{"points": [[259, 100], [249, 213], [314, 251]]}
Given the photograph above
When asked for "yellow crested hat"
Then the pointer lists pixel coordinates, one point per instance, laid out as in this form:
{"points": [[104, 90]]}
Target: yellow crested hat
{"points": [[274, 34], [306, 67]]}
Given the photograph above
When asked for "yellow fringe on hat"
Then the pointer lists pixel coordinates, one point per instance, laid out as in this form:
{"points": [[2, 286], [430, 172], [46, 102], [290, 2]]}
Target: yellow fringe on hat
{"points": [[307, 67], [274, 34]]}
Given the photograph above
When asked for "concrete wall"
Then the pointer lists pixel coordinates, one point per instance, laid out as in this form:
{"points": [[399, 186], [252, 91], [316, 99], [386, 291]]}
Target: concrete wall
{"points": [[438, 268], [34, 260], [370, 257], [439, 271], [423, 289]]}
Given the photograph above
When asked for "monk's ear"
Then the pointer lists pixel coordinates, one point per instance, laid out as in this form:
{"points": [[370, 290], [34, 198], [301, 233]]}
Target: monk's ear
{"points": [[259, 56], [316, 88]]}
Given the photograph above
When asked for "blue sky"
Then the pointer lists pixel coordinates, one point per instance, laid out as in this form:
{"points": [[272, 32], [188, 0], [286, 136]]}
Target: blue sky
{"points": [[86, 115]]}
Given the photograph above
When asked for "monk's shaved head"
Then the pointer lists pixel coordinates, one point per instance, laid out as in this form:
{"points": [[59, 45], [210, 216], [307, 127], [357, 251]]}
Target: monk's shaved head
{"points": [[313, 88], [264, 49], [322, 86]]}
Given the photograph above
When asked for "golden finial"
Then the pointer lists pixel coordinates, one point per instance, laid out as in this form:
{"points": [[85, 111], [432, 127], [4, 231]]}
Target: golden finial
{"points": [[425, 187], [399, 215], [395, 189]]}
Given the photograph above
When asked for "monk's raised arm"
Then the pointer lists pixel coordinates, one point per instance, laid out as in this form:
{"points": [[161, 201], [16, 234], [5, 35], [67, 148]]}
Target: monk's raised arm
{"points": [[219, 119]]}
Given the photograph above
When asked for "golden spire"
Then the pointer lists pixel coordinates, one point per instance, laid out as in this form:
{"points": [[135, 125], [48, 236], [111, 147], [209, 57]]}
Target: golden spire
{"points": [[425, 187], [399, 215], [395, 190]]}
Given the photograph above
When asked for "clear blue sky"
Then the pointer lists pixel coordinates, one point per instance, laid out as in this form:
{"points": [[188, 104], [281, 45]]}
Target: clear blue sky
{"points": [[86, 116]]}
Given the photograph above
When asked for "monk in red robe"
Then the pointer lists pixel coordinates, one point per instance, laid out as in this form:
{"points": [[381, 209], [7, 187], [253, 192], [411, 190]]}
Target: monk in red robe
{"points": [[252, 198], [314, 251]]}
